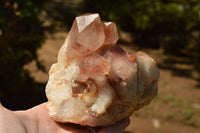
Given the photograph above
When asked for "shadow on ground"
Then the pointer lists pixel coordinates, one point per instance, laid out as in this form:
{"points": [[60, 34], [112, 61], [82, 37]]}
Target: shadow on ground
{"points": [[185, 65]]}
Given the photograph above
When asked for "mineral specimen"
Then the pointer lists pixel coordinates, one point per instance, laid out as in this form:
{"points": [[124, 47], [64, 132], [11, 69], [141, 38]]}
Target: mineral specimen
{"points": [[95, 82]]}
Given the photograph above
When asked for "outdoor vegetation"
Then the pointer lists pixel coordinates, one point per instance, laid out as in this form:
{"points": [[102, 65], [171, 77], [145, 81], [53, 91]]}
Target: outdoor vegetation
{"points": [[21, 34]]}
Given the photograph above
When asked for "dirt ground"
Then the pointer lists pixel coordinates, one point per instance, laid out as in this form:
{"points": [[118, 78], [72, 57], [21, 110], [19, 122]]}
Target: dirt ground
{"points": [[176, 109]]}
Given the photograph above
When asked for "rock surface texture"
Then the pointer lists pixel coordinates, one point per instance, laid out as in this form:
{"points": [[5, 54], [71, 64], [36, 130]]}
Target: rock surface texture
{"points": [[95, 82]]}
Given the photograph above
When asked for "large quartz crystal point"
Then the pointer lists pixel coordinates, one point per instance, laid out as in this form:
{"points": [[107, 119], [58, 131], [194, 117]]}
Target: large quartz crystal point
{"points": [[87, 34], [95, 82]]}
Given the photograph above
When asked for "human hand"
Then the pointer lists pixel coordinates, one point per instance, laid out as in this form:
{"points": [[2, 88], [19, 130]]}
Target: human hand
{"points": [[37, 120]]}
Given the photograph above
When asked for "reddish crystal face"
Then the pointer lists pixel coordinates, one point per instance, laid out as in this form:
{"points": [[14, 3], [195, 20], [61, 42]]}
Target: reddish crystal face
{"points": [[89, 33], [111, 35]]}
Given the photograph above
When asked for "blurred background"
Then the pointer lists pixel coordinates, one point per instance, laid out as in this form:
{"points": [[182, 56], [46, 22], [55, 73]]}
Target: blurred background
{"points": [[32, 31]]}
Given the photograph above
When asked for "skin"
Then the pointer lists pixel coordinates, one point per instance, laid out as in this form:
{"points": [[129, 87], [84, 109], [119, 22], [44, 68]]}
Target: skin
{"points": [[36, 120]]}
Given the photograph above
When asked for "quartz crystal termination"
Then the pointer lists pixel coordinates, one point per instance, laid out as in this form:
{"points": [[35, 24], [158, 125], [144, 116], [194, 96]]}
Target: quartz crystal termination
{"points": [[95, 82], [89, 33]]}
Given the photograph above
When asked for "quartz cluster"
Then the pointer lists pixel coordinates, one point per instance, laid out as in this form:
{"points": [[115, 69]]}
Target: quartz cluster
{"points": [[95, 82]]}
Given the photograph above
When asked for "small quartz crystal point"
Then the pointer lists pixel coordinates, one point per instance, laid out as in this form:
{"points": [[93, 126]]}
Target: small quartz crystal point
{"points": [[95, 82]]}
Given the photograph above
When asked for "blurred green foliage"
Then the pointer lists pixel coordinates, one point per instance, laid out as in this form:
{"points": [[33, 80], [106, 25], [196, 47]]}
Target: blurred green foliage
{"points": [[170, 24], [21, 34]]}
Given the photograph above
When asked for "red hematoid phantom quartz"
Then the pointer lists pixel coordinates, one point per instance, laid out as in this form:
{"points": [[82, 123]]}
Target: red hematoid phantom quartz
{"points": [[95, 82]]}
